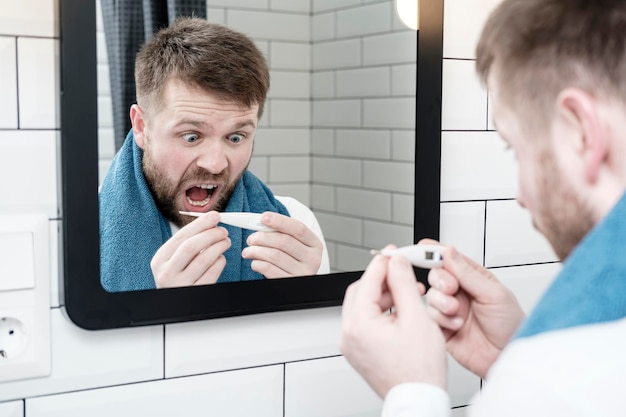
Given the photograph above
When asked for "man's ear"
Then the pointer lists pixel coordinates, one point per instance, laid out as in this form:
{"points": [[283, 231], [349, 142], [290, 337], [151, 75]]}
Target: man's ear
{"points": [[580, 109], [139, 125]]}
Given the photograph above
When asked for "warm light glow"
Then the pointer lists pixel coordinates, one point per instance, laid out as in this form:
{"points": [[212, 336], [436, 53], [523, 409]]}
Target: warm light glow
{"points": [[408, 12]]}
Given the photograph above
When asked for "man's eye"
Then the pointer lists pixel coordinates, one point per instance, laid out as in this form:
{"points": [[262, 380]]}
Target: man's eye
{"points": [[190, 137], [236, 138]]}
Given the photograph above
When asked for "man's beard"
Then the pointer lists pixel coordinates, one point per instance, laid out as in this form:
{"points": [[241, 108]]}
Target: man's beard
{"points": [[565, 219], [166, 192]]}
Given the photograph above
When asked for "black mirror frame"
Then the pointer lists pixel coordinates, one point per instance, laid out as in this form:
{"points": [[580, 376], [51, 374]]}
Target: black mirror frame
{"points": [[91, 307]]}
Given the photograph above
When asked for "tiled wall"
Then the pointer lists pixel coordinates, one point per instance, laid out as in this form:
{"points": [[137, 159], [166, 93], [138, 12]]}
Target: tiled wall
{"points": [[276, 364]]}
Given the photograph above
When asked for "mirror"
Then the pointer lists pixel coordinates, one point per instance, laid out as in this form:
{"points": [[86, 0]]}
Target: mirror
{"points": [[90, 307]]}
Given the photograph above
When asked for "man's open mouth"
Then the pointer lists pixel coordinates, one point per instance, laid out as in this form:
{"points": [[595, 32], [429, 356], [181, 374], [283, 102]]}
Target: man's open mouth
{"points": [[200, 195]]}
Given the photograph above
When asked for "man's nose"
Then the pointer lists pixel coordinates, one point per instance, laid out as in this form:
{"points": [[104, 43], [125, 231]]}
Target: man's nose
{"points": [[212, 157]]}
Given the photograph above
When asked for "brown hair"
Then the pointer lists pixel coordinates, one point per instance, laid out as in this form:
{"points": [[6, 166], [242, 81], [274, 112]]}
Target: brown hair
{"points": [[207, 55], [538, 47]]}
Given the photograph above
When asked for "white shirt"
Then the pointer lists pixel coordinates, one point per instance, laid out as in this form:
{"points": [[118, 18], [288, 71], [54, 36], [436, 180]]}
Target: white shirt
{"points": [[579, 372]]}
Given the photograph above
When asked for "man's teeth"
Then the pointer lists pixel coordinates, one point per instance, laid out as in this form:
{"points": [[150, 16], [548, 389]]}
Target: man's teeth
{"points": [[199, 203], [206, 186]]}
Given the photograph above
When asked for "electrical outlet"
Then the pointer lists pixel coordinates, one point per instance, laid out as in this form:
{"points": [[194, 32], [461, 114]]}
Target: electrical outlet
{"points": [[12, 338]]}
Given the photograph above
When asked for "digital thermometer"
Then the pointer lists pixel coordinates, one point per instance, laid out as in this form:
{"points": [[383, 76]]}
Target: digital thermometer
{"points": [[422, 256], [251, 221]]}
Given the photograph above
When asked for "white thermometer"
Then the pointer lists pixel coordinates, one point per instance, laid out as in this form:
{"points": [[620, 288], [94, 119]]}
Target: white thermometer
{"points": [[250, 221], [423, 256]]}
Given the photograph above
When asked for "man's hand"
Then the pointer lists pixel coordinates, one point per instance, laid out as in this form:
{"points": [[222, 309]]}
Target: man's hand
{"points": [[293, 250], [386, 348], [193, 256], [477, 314]]}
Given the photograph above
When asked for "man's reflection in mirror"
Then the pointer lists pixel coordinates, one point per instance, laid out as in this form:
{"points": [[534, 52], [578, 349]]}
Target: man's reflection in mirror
{"points": [[201, 89]]}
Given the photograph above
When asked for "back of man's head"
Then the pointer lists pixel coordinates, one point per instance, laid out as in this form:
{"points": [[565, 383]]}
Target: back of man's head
{"points": [[533, 49], [205, 55]]}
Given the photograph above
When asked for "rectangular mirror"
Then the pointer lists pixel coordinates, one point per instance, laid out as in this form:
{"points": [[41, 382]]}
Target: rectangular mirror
{"points": [[383, 158]]}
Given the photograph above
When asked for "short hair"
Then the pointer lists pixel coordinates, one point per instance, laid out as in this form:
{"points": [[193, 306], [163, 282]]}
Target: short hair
{"points": [[212, 57], [539, 47]]}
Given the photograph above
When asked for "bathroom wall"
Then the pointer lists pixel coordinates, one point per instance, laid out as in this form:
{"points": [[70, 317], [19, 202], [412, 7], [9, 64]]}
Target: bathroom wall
{"points": [[276, 364]]}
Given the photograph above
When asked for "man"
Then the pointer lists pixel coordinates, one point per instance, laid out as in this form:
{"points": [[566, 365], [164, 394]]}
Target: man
{"points": [[556, 70], [201, 88]]}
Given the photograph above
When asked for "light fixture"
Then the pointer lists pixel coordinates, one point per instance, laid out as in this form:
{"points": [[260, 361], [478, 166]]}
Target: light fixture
{"points": [[408, 12]]}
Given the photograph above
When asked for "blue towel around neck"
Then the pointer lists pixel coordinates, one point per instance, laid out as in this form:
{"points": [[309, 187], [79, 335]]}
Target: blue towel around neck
{"points": [[132, 228], [591, 287]]}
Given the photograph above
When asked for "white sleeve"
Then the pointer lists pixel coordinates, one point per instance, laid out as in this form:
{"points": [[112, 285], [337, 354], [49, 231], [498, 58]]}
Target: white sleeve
{"points": [[416, 400], [299, 211]]}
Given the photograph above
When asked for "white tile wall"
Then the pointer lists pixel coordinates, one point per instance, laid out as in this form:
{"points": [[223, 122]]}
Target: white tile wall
{"points": [[252, 392], [29, 18], [38, 83], [8, 83], [12, 409], [464, 99]]}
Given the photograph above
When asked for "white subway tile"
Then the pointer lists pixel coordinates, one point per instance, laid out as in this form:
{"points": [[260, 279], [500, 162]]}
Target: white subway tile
{"points": [[323, 84], [290, 113], [323, 141], [463, 98], [323, 26], [461, 411], [511, 238], [403, 209], [216, 15], [389, 176], [340, 171], [463, 23], [364, 203], [393, 113], [328, 387], [32, 154], [462, 384], [259, 166], [337, 54], [103, 167], [528, 282], [476, 166], [325, 5], [290, 56], [303, 6], [245, 4], [29, 18], [245, 341], [104, 84], [279, 141], [12, 409], [337, 113], [38, 83], [340, 228], [350, 258], [8, 83], [105, 111], [249, 392], [390, 48], [290, 169], [380, 234], [364, 82], [271, 26], [106, 142], [364, 20], [462, 225], [323, 197], [364, 143], [83, 359], [102, 56], [290, 84], [300, 192], [404, 80], [403, 145]]}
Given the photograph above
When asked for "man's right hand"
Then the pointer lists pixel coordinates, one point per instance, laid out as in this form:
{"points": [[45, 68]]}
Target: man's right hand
{"points": [[477, 314], [193, 256]]}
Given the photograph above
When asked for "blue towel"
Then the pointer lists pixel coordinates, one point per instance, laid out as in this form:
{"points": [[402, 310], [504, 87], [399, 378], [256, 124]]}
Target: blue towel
{"points": [[132, 229], [591, 287]]}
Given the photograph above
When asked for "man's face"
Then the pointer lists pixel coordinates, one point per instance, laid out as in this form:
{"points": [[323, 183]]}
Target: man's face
{"points": [[196, 148], [543, 185]]}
